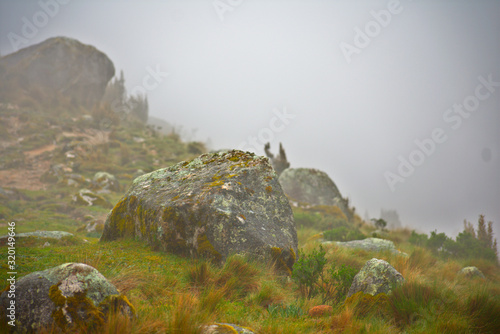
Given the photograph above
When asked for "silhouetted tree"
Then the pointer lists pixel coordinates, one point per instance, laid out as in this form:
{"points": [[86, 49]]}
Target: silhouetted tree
{"points": [[280, 163]]}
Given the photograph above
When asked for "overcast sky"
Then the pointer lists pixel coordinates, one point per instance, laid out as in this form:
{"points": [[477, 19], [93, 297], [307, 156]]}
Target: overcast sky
{"points": [[398, 101]]}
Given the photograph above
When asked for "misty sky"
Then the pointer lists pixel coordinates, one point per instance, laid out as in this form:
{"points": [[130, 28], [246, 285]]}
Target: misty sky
{"points": [[358, 89]]}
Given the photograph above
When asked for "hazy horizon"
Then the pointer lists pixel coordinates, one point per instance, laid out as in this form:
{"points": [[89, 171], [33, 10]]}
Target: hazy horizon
{"points": [[398, 101]]}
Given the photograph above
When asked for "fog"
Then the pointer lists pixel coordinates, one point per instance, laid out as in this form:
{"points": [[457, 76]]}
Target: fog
{"points": [[398, 101]]}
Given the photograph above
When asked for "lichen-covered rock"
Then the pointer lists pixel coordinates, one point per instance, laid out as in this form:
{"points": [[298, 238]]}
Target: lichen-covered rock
{"points": [[308, 185], [376, 276], [223, 328], [105, 182], [89, 198], [215, 205], [58, 68], [370, 244], [470, 272], [72, 297]]}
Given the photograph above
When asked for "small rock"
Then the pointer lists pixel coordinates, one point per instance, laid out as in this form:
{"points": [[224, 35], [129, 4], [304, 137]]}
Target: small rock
{"points": [[470, 272], [224, 328], [376, 276], [88, 197]]}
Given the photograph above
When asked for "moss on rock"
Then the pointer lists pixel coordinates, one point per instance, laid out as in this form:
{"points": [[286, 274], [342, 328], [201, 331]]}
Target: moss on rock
{"points": [[214, 205]]}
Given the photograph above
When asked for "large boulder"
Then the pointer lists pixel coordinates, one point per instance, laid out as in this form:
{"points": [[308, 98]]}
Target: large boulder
{"points": [[215, 205], [376, 276], [72, 296], [56, 68], [312, 186]]}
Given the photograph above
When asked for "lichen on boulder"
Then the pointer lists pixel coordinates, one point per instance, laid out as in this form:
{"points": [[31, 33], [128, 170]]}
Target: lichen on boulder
{"points": [[376, 276], [215, 205], [72, 297]]}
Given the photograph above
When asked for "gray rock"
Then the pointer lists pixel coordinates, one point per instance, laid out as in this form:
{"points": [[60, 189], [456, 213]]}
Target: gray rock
{"points": [[69, 296], [470, 272], [41, 234], [376, 276], [89, 198], [369, 244], [308, 185], [215, 205], [105, 182], [224, 328], [59, 68]]}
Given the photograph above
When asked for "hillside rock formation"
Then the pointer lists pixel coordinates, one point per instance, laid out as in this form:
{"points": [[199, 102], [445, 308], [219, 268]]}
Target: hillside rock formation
{"points": [[376, 276], [369, 244], [69, 297], [59, 68], [215, 205], [312, 186]]}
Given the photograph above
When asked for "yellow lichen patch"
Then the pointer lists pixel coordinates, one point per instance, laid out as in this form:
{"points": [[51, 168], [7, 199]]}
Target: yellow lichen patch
{"points": [[269, 189], [120, 221], [114, 304], [226, 329], [365, 303], [74, 313], [205, 248]]}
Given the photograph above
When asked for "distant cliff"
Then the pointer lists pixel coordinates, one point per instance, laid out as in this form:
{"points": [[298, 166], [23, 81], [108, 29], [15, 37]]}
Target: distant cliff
{"points": [[58, 69]]}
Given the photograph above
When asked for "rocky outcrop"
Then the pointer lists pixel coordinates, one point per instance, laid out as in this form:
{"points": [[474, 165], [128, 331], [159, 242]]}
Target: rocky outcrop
{"points": [[70, 297], [369, 244], [376, 276], [470, 272], [215, 205], [312, 186], [57, 68]]}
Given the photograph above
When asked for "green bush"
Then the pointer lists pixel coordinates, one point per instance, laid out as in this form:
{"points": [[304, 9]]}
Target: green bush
{"points": [[313, 278], [418, 239], [466, 246], [343, 234], [307, 271]]}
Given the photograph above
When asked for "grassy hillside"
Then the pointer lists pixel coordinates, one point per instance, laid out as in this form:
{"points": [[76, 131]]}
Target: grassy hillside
{"points": [[173, 294]]}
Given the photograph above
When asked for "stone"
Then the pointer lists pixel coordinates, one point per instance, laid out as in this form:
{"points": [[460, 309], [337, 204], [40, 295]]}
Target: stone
{"points": [[320, 310], [37, 234], [58, 68], [470, 272], [369, 244], [70, 297], [215, 205], [105, 182], [224, 328], [89, 198], [312, 186], [376, 276]]}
